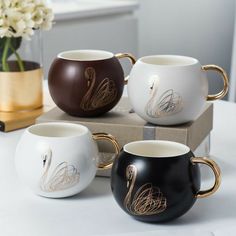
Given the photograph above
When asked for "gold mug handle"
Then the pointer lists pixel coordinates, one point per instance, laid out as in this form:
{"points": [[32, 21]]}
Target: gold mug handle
{"points": [[131, 59], [216, 171], [224, 76], [111, 138]]}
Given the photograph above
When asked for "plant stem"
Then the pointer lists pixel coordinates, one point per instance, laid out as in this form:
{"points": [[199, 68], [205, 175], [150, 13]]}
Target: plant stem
{"points": [[19, 60], [5, 66]]}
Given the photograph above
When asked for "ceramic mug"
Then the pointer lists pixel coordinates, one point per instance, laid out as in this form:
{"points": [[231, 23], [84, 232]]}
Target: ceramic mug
{"points": [[158, 181], [59, 159], [87, 83], [170, 90]]}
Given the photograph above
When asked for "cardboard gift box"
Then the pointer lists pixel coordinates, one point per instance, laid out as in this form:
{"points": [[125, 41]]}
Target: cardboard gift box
{"points": [[127, 126]]}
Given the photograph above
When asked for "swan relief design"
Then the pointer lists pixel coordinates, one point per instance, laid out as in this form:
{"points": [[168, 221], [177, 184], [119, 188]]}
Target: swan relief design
{"points": [[104, 94], [169, 103], [148, 200], [63, 176]]}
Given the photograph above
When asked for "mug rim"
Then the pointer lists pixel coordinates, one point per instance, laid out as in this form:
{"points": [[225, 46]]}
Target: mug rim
{"points": [[182, 149], [33, 130], [186, 60], [72, 55]]}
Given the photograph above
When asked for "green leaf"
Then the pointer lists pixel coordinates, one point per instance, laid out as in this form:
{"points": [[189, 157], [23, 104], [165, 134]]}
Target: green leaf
{"points": [[15, 42]]}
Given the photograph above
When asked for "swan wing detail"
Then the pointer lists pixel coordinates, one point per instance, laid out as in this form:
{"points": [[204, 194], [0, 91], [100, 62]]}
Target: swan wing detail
{"points": [[148, 200], [63, 177], [104, 94], [168, 104]]}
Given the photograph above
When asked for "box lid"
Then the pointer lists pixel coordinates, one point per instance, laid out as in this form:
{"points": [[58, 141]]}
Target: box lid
{"points": [[127, 126]]}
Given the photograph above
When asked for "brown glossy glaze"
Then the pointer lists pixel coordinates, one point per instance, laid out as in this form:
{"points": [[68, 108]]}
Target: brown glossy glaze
{"points": [[86, 88]]}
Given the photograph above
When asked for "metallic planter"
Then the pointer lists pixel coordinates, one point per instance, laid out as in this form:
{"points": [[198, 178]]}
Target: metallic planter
{"points": [[21, 91]]}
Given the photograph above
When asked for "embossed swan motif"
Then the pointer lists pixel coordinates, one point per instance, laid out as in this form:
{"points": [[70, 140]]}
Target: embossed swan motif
{"points": [[62, 177], [104, 94], [148, 200], [169, 103]]}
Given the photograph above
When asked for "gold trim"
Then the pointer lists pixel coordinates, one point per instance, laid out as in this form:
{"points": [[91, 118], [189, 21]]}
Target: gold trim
{"points": [[169, 103], [148, 200], [224, 76], [216, 171], [62, 177], [21, 90], [108, 137], [104, 94], [131, 58], [18, 119]]}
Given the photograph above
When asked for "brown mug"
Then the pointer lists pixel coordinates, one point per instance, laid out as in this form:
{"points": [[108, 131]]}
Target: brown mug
{"points": [[87, 83]]}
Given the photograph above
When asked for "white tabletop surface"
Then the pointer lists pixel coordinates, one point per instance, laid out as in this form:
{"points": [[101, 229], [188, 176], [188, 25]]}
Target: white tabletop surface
{"points": [[95, 212]]}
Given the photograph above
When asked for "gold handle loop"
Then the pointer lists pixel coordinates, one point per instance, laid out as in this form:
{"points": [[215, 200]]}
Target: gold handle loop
{"points": [[216, 170], [108, 137], [131, 59], [224, 76]]}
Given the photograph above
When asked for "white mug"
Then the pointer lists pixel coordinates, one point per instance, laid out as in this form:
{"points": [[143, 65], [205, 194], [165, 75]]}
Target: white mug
{"points": [[59, 159], [169, 89]]}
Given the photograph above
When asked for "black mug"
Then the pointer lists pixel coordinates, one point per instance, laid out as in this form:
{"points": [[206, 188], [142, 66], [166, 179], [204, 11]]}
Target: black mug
{"points": [[157, 181]]}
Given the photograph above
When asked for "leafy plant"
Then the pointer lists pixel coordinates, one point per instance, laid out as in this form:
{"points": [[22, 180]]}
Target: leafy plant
{"points": [[18, 20], [9, 46]]}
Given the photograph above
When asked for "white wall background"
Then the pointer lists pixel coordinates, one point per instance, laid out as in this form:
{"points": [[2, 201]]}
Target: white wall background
{"points": [[232, 92], [103, 33], [199, 28]]}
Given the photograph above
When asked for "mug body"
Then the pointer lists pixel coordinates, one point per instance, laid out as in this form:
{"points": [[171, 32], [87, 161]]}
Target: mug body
{"points": [[86, 83], [155, 181], [56, 159], [167, 89]]}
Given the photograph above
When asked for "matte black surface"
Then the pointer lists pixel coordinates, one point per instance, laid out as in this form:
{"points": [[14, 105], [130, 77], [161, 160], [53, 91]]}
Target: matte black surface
{"points": [[176, 177]]}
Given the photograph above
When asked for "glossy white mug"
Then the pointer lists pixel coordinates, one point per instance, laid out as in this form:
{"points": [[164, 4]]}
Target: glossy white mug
{"points": [[59, 159], [169, 89]]}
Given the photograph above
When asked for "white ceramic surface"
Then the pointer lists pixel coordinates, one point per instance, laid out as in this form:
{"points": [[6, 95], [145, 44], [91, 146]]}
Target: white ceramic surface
{"points": [[167, 89], [56, 159]]}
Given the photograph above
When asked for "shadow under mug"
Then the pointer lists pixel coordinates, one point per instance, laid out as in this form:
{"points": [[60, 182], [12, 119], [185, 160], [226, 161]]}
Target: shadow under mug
{"points": [[171, 89], [59, 159], [87, 83], [157, 181]]}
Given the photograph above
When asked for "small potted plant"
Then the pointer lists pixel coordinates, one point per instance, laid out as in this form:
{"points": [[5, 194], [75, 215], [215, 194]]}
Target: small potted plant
{"points": [[21, 22]]}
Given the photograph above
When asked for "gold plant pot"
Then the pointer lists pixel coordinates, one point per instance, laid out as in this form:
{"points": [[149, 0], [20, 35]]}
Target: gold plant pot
{"points": [[21, 91]]}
